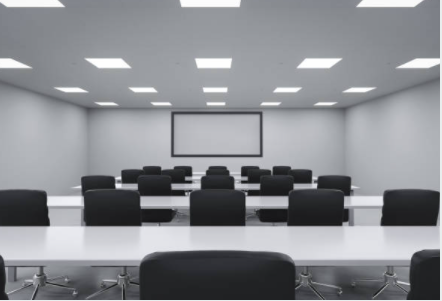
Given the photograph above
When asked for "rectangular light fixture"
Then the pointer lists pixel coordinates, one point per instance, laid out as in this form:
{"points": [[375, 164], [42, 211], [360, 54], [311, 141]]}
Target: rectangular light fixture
{"points": [[318, 63], [325, 104], [420, 64], [359, 90], [215, 90], [108, 63], [214, 63], [31, 3], [71, 89], [161, 104], [12, 64], [389, 3], [216, 104], [143, 89], [210, 3], [270, 104], [287, 90], [107, 104]]}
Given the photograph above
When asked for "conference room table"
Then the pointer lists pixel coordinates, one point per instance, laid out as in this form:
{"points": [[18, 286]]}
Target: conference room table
{"points": [[197, 178], [307, 246]]}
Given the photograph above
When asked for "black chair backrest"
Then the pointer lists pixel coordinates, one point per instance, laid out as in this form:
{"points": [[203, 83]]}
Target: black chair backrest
{"points": [[152, 170], [254, 175], [410, 207], [276, 185], [130, 176], [316, 207], [97, 182], [301, 176], [217, 207], [223, 275], [280, 170], [187, 170], [155, 185], [217, 167], [245, 170], [217, 182], [342, 183], [425, 275], [23, 208], [217, 172], [3, 295], [177, 175], [112, 208]]}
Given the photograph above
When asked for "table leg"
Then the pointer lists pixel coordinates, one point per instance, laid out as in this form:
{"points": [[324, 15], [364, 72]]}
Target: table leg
{"points": [[12, 274], [351, 217]]}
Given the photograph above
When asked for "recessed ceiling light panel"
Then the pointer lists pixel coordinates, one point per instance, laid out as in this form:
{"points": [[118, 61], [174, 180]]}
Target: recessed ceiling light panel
{"points": [[389, 3], [420, 64], [215, 90], [325, 104], [210, 3], [31, 3], [216, 104], [12, 64], [287, 89], [71, 89], [270, 104], [359, 90], [107, 104], [214, 63], [116, 63], [143, 89], [161, 104], [318, 63]]}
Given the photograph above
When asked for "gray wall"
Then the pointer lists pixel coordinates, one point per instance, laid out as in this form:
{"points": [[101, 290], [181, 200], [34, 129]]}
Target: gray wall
{"points": [[43, 142], [393, 142], [126, 138]]}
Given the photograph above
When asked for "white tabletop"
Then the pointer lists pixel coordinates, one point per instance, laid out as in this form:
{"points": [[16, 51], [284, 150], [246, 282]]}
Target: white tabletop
{"points": [[197, 186], [126, 246], [182, 202], [198, 178]]}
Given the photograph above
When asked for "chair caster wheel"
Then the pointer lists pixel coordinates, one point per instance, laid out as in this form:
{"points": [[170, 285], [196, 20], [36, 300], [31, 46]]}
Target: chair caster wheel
{"points": [[103, 285], [353, 284], [339, 293], [75, 293]]}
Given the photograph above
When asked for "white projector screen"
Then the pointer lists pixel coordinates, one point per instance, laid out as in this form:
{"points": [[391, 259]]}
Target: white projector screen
{"points": [[216, 134]]}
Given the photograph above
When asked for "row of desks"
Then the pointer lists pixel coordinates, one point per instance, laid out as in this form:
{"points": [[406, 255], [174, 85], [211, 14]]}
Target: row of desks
{"points": [[196, 178]]}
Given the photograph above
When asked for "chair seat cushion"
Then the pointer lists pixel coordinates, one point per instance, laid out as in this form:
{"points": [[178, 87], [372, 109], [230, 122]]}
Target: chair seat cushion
{"points": [[272, 215], [157, 215]]}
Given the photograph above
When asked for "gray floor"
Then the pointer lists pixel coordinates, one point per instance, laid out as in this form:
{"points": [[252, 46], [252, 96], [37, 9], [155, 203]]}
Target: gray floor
{"points": [[87, 280]]}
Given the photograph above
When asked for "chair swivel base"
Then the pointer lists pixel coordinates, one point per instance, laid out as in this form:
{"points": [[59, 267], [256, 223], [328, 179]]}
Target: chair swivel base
{"points": [[390, 279], [306, 280], [41, 280], [123, 281]]}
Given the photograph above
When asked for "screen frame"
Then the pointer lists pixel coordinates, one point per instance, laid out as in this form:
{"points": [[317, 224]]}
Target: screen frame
{"points": [[217, 113]]}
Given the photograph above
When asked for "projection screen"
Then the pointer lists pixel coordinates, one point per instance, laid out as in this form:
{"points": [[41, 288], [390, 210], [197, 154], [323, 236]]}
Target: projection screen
{"points": [[216, 134]]}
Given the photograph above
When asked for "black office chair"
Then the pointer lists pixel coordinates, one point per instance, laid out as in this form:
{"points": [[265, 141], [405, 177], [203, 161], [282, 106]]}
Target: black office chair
{"points": [[425, 276], [254, 177], [130, 176], [152, 170], [245, 171], [274, 186], [342, 183], [405, 207], [97, 182], [217, 207], [29, 208], [315, 207], [223, 275], [156, 186], [178, 176], [113, 208], [217, 172], [3, 295], [301, 176], [280, 170], [187, 171], [217, 182], [217, 167]]}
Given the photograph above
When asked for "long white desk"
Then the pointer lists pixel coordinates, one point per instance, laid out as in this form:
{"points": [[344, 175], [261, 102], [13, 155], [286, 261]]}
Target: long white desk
{"points": [[197, 186], [197, 178], [336, 246]]}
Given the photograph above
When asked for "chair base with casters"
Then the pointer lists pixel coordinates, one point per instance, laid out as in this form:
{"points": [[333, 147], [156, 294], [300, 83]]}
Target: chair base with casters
{"points": [[123, 281], [390, 279], [41, 280], [306, 280]]}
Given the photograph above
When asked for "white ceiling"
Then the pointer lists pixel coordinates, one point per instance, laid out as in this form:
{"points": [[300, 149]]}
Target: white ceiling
{"points": [[267, 40]]}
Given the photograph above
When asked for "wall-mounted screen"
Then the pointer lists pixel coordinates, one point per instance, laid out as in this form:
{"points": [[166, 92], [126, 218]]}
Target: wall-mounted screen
{"points": [[217, 134]]}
